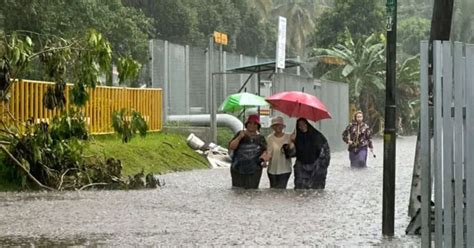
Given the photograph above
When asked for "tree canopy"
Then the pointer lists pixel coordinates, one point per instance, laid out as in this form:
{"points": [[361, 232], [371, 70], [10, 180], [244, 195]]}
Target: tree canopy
{"points": [[126, 28], [360, 17], [192, 22]]}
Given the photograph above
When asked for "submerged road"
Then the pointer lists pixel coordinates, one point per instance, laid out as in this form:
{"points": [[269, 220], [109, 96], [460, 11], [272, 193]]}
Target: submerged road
{"points": [[200, 208]]}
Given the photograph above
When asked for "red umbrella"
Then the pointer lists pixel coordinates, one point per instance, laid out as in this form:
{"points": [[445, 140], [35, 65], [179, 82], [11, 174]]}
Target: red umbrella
{"points": [[299, 104]]}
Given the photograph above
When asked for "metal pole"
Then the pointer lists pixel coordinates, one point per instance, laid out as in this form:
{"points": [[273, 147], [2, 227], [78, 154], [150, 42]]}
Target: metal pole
{"points": [[213, 131], [166, 83], [258, 89], [388, 210]]}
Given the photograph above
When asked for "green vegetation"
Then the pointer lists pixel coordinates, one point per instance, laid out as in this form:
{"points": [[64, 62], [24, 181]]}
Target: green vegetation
{"points": [[360, 17], [6, 175], [224, 135], [127, 29], [157, 153], [50, 154]]}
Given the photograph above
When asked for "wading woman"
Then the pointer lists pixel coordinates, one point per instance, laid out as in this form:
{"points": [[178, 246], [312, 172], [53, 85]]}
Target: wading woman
{"points": [[312, 157], [249, 151], [358, 136], [279, 151]]}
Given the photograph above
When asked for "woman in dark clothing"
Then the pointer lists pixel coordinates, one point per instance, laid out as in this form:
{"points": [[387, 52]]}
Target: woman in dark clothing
{"points": [[358, 136], [249, 151], [312, 157]]}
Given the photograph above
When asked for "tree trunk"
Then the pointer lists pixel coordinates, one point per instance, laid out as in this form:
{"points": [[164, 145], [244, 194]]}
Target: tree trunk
{"points": [[441, 20]]}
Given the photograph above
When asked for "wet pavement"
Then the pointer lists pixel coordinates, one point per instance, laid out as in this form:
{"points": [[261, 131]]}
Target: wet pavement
{"points": [[199, 208]]}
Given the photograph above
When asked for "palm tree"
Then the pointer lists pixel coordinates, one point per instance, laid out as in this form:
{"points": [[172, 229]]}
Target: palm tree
{"points": [[361, 64], [300, 16], [265, 7], [408, 95]]}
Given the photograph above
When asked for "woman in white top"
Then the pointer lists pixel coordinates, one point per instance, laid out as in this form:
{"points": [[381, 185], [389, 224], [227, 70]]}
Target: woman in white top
{"points": [[279, 168]]}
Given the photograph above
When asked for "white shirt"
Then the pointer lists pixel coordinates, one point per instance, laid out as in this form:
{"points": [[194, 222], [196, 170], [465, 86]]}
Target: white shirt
{"points": [[278, 163]]}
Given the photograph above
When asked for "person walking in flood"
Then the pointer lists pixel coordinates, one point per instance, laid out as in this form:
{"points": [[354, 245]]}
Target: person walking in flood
{"points": [[312, 156], [249, 153], [279, 151], [358, 136]]}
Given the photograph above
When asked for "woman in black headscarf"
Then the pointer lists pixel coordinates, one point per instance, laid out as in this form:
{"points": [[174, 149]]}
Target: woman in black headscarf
{"points": [[312, 157]]}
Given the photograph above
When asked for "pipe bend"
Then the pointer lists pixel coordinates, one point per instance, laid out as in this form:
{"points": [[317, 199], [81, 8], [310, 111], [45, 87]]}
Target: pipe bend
{"points": [[223, 120]]}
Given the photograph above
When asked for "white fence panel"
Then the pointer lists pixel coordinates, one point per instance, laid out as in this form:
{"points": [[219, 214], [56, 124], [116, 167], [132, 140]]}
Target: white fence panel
{"points": [[453, 138], [470, 145]]}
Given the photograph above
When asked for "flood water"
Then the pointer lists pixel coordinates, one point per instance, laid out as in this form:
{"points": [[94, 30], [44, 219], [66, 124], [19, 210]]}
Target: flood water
{"points": [[199, 208]]}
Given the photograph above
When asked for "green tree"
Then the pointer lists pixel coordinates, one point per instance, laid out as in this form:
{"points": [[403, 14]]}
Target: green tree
{"points": [[300, 16], [127, 29], [50, 154], [412, 8], [361, 64], [256, 36], [264, 7], [360, 17], [217, 15], [408, 95], [411, 31], [463, 24], [173, 20], [193, 21]]}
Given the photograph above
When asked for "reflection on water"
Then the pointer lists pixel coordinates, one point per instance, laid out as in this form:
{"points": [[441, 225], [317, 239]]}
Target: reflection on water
{"points": [[200, 208]]}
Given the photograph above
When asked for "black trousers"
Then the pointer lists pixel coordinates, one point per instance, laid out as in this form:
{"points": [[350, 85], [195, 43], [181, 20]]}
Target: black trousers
{"points": [[246, 181], [279, 181]]}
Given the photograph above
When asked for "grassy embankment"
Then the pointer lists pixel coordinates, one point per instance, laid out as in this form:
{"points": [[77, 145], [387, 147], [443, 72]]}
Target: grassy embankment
{"points": [[158, 153]]}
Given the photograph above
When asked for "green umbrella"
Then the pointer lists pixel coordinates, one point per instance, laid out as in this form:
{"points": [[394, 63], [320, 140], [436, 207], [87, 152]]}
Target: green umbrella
{"points": [[239, 101]]}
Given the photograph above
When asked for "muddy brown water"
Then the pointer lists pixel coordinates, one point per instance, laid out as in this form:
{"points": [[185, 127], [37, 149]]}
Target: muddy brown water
{"points": [[199, 208]]}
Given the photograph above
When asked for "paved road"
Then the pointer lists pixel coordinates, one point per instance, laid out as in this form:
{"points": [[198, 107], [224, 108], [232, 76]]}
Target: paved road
{"points": [[200, 208]]}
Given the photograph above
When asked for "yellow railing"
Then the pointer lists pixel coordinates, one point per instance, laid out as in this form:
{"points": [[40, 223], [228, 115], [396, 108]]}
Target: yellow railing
{"points": [[26, 101]]}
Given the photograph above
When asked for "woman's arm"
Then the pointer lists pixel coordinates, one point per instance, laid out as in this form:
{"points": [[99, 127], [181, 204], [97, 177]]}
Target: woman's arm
{"points": [[265, 156], [346, 135], [368, 136], [234, 143]]}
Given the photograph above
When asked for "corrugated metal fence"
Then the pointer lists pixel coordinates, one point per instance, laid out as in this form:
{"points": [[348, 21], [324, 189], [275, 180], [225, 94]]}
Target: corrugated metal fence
{"points": [[27, 102], [183, 74], [451, 158]]}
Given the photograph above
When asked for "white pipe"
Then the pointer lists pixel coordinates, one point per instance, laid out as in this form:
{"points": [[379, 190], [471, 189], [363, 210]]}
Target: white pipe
{"points": [[225, 120]]}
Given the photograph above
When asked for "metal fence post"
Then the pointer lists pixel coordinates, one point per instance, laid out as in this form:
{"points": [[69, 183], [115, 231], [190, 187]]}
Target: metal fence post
{"points": [[186, 78], [166, 91], [437, 148], [425, 150], [470, 145]]}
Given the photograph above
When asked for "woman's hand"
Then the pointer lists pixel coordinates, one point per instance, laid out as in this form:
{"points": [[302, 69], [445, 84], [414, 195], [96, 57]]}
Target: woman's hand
{"points": [[349, 142], [293, 137], [242, 134], [265, 156], [235, 142]]}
